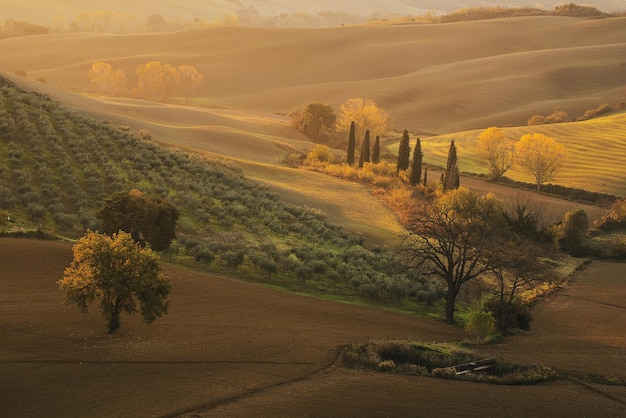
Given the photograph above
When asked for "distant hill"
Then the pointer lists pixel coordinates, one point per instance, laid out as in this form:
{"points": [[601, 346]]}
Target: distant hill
{"points": [[44, 12], [430, 78]]}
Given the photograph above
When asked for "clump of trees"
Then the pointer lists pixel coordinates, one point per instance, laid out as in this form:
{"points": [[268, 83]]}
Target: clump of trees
{"points": [[123, 276], [154, 80], [558, 116], [150, 221]]}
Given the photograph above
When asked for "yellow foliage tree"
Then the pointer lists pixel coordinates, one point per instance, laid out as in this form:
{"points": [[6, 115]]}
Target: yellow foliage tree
{"points": [[541, 156], [366, 115], [495, 151], [120, 273], [189, 80], [108, 81], [163, 80]]}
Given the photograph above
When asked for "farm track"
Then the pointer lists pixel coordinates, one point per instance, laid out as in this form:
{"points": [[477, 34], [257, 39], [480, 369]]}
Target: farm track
{"points": [[594, 390]]}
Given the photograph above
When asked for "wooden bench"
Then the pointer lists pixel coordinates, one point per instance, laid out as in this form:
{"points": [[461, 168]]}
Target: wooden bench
{"points": [[474, 366]]}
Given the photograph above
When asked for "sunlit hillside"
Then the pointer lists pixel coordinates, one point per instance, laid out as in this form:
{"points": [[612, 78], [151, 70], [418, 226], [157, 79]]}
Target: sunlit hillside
{"points": [[436, 78], [440, 79], [596, 150]]}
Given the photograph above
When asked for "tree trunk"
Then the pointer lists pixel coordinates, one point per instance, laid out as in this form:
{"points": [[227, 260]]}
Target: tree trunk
{"points": [[450, 300], [114, 321]]}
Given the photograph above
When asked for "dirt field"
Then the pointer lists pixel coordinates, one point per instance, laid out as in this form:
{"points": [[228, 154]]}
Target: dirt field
{"points": [[229, 348]]}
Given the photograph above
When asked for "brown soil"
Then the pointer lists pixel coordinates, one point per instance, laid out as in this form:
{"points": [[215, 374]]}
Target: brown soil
{"points": [[229, 348]]}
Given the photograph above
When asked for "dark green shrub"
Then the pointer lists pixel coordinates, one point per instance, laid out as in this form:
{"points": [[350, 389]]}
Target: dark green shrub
{"points": [[509, 316]]}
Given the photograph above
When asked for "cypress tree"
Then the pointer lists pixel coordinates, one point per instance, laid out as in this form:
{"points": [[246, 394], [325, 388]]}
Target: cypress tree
{"points": [[351, 144], [376, 151], [416, 166], [365, 150], [451, 178], [404, 152], [425, 175]]}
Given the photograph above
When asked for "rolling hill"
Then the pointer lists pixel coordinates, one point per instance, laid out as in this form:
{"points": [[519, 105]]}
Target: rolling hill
{"points": [[442, 79], [43, 12]]}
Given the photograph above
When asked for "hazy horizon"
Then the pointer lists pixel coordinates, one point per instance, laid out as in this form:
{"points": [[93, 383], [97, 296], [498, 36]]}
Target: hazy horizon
{"points": [[47, 13]]}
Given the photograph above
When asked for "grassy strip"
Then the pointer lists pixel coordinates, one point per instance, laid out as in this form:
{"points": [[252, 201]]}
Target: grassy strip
{"points": [[437, 360]]}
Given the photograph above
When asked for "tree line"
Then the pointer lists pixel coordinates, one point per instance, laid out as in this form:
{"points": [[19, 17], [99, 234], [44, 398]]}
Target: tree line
{"points": [[154, 80]]}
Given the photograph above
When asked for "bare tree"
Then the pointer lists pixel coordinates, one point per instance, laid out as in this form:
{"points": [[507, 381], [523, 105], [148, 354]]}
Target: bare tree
{"points": [[454, 239]]}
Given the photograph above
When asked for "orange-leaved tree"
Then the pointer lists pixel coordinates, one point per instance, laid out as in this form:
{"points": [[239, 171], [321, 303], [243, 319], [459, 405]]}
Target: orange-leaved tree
{"points": [[118, 272], [108, 81]]}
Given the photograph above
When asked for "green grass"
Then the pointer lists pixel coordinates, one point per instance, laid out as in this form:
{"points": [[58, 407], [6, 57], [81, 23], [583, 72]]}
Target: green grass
{"points": [[437, 360], [57, 168]]}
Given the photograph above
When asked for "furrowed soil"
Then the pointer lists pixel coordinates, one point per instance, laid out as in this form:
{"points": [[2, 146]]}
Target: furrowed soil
{"points": [[230, 348]]}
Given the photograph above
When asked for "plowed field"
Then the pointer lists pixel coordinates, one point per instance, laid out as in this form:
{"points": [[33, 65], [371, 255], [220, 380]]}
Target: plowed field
{"points": [[229, 348]]}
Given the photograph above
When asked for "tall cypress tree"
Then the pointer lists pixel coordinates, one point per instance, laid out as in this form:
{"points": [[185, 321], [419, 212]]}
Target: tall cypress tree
{"points": [[365, 150], [451, 178], [404, 152], [351, 144], [416, 166], [376, 151]]}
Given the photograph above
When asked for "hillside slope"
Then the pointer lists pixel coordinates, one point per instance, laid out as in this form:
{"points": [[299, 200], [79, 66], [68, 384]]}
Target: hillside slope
{"points": [[439, 78]]}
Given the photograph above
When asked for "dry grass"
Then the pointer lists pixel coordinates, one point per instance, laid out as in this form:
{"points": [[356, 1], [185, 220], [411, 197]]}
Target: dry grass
{"points": [[595, 147]]}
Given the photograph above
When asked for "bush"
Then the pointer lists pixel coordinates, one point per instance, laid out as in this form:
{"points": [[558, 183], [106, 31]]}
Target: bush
{"points": [[592, 113], [480, 324], [320, 153], [387, 366], [614, 218], [572, 231], [509, 316], [558, 116], [536, 120]]}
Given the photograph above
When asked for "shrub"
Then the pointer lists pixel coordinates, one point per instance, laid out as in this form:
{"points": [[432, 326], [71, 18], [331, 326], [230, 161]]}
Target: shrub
{"points": [[615, 217], [558, 116], [509, 316], [480, 324], [592, 113], [536, 120], [444, 373], [387, 366], [320, 153], [203, 255], [572, 231], [21, 73]]}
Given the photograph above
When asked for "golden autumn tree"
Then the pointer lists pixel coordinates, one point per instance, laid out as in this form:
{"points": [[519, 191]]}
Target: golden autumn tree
{"points": [[541, 156], [190, 80], [367, 116], [495, 151], [108, 81], [118, 272], [156, 80], [163, 80]]}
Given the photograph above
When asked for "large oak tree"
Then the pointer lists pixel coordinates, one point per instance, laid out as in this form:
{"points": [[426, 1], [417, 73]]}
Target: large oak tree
{"points": [[454, 239], [120, 273]]}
